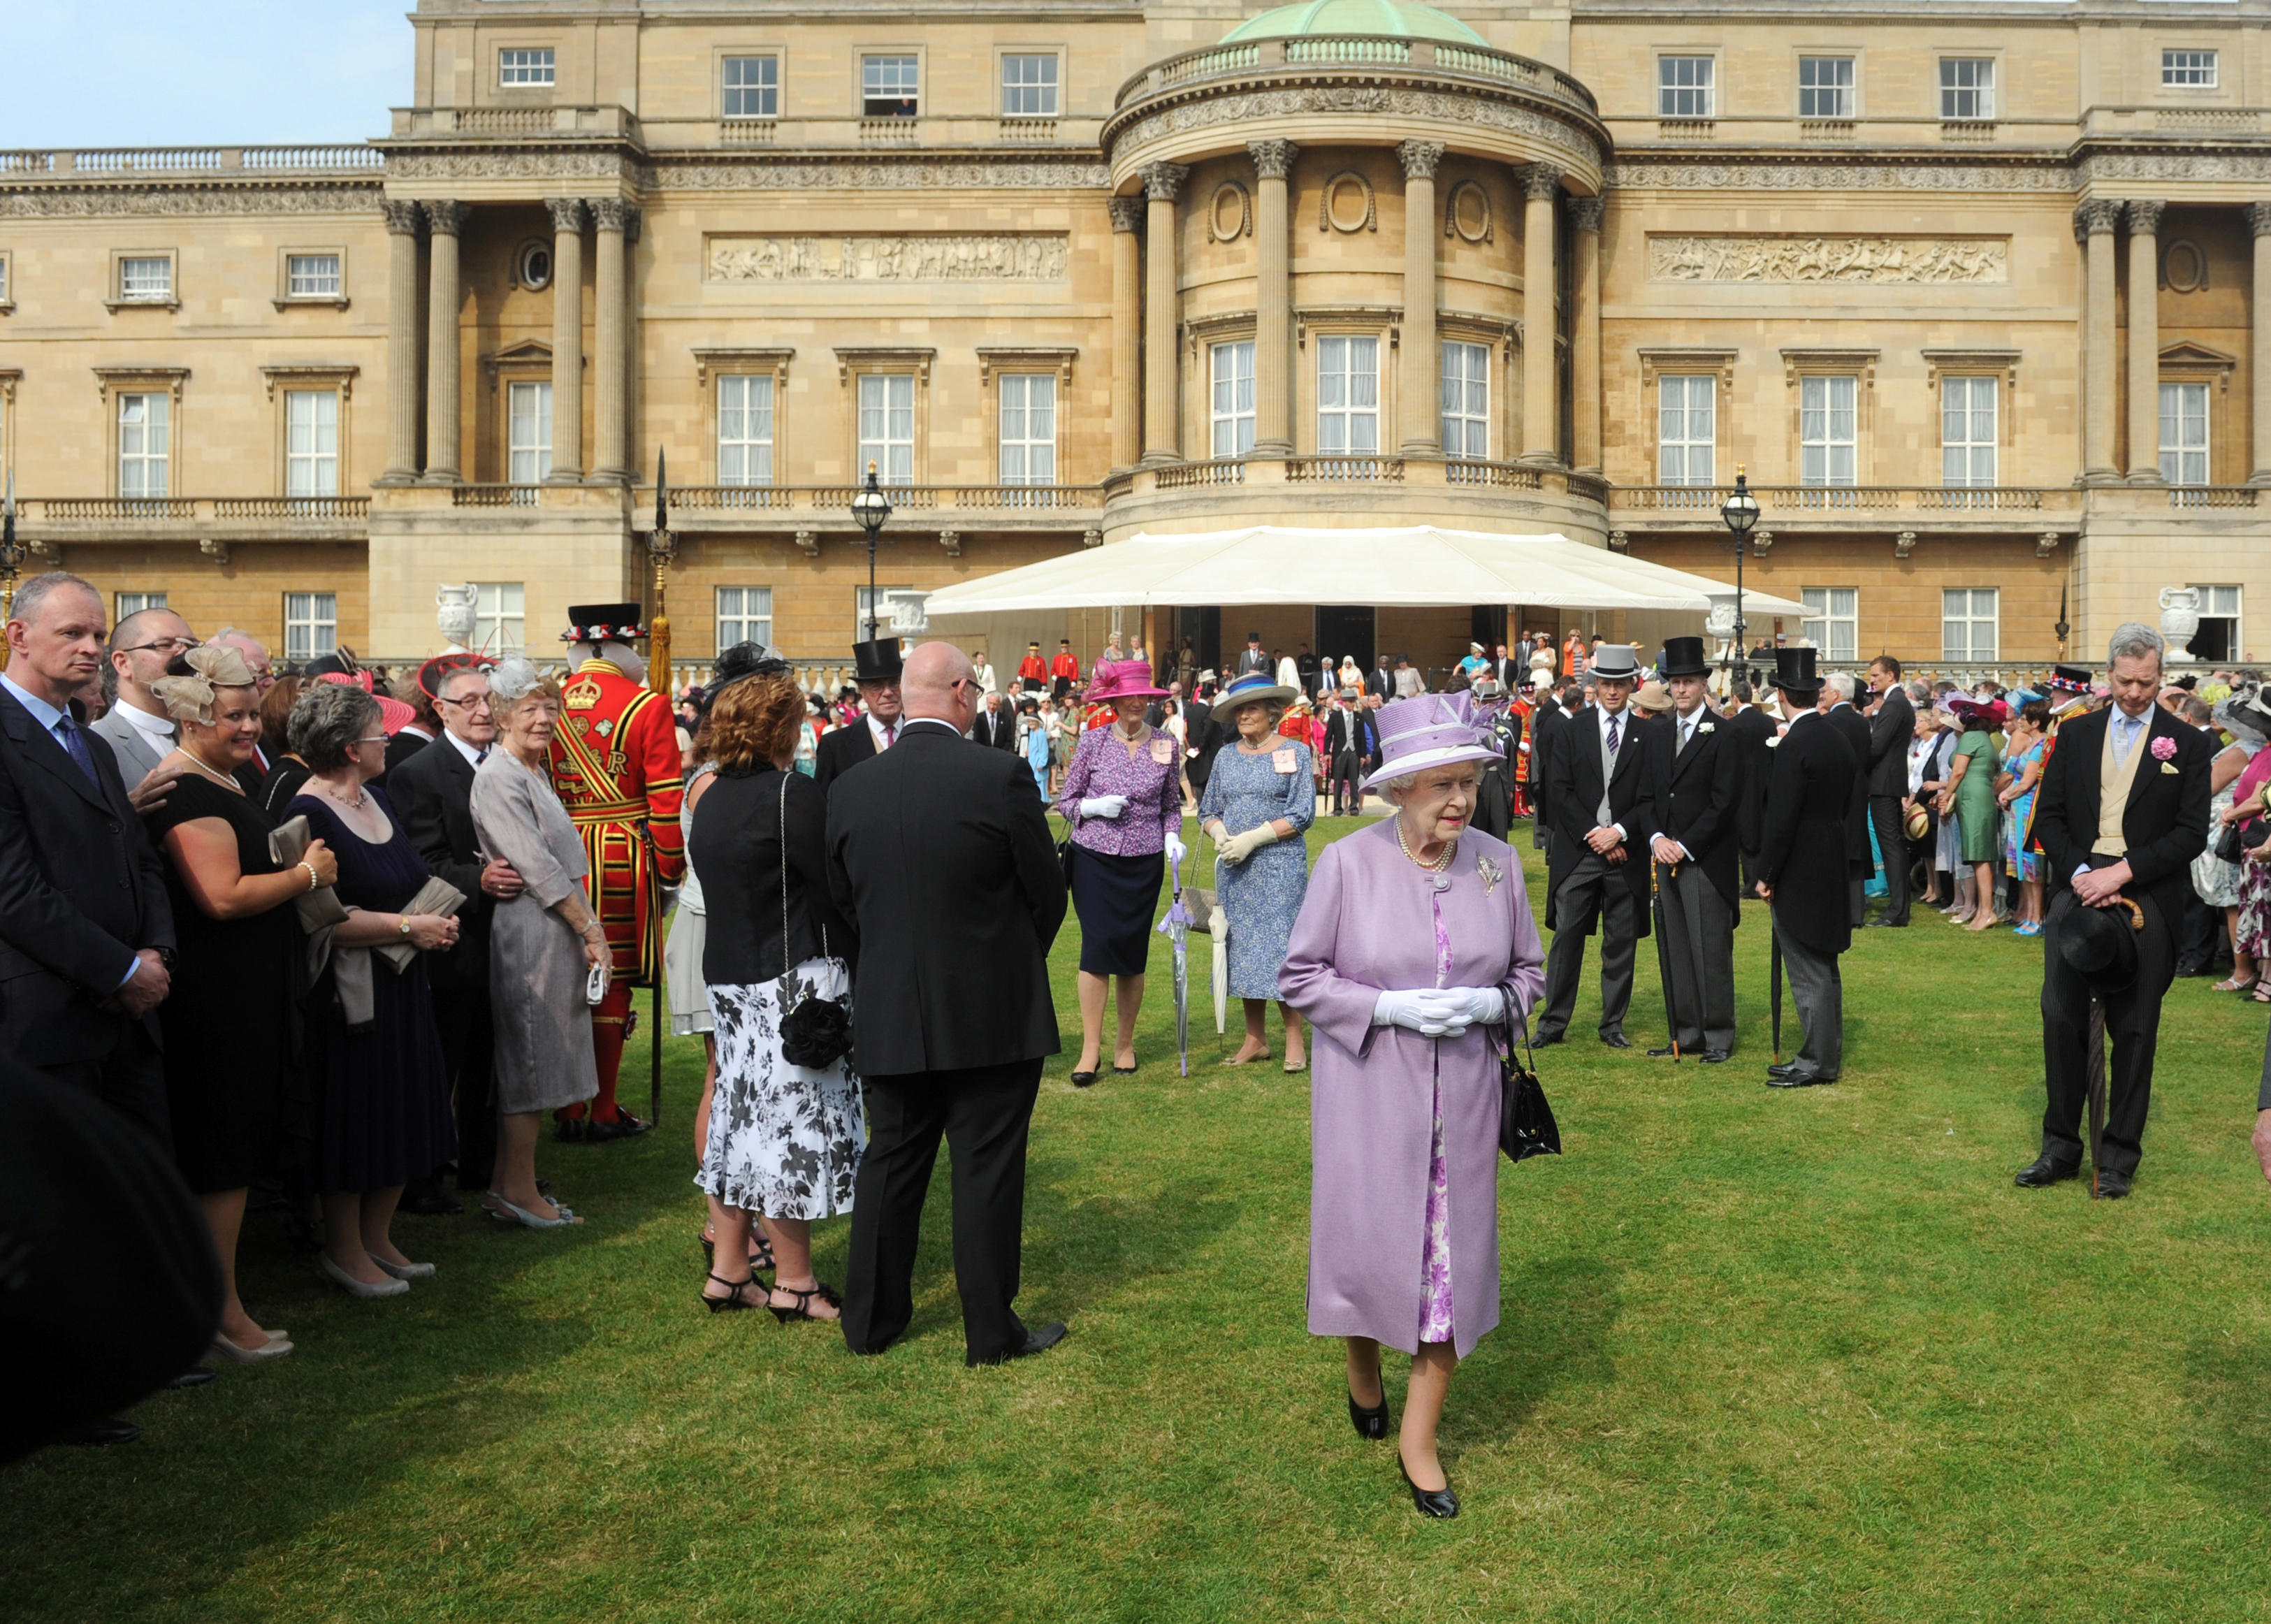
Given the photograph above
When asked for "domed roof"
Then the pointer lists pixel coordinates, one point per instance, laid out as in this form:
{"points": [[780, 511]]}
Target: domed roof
{"points": [[1404, 19]]}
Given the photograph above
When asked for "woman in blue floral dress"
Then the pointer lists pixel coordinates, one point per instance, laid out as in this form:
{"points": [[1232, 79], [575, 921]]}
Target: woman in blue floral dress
{"points": [[1259, 799]]}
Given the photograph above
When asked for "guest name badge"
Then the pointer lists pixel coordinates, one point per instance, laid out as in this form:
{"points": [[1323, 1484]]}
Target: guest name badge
{"points": [[1281, 760], [1163, 750]]}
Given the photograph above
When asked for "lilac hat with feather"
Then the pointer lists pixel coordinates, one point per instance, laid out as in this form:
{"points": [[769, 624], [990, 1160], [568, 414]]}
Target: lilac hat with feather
{"points": [[1433, 730]]}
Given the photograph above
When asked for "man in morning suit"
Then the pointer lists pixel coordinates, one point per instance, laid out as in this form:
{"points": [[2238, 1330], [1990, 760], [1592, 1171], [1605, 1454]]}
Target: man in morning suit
{"points": [[1596, 864], [1254, 657], [1752, 727], [1892, 729], [432, 791], [1853, 727], [1802, 866], [1545, 726], [86, 934], [1698, 768], [876, 666], [942, 855], [994, 726], [2121, 813]]}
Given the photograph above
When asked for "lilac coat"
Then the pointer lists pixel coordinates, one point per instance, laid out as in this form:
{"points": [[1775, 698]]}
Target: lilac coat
{"points": [[1366, 928]]}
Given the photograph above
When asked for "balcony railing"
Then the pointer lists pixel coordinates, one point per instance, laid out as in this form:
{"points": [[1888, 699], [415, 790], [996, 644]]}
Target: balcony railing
{"points": [[834, 501], [2213, 496], [1344, 470], [1500, 475], [492, 495], [188, 160], [1356, 51], [1214, 471], [246, 518], [1704, 501]]}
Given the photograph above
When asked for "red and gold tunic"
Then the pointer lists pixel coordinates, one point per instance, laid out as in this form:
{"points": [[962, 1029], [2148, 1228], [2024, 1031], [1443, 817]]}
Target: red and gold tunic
{"points": [[615, 765]]}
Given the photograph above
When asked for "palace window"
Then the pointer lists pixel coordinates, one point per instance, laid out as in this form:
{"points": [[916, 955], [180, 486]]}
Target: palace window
{"points": [[311, 276], [134, 603], [2183, 434], [311, 443], [745, 615], [1029, 86], [1347, 395], [524, 66], [1832, 620], [2191, 70], [144, 444], [1232, 374], [1828, 431], [1686, 432], [745, 430], [1683, 86], [499, 617], [887, 426], [900, 611], [752, 87], [311, 625], [1825, 87], [2218, 637], [1967, 430], [1968, 619], [1967, 87], [1029, 428], [1466, 401], [888, 87], [149, 278], [6, 297], [528, 433]]}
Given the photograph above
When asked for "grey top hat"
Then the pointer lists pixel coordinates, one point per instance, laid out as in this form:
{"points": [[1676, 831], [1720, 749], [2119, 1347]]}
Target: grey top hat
{"points": [[1617, 660]]}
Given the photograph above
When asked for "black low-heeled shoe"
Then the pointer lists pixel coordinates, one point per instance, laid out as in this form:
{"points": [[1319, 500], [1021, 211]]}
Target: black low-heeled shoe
{"points": [[1084, 1079], [1371, 1423], [1431, 1502]]}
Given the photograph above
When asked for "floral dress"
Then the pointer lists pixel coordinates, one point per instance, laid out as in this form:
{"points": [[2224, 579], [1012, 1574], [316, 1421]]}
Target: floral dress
{"points": [[2019, 826], [1435, 1312]]}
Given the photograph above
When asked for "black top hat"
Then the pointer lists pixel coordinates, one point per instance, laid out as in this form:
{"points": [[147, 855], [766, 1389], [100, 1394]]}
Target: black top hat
{"points": [[1794, 673], [603, 622], [2100, 944], [877, 661], [1683, 657]]}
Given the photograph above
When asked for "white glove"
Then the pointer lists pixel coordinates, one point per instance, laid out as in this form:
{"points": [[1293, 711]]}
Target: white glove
{"points": [[1105, 807], [1238, 848], [1175, 848], [1427, 1011], [1483, 1006]]}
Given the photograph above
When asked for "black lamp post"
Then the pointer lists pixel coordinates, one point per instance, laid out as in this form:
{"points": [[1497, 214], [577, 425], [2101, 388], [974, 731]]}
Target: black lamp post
{"points": [[1740, 514], [871, 508]]}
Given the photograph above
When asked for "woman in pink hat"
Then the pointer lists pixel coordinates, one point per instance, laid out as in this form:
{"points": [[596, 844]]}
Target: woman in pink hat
{"points": [[1123, 797]]}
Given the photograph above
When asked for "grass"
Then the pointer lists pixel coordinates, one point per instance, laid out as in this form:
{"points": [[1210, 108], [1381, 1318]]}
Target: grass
{"points": [[1764, 1356]]}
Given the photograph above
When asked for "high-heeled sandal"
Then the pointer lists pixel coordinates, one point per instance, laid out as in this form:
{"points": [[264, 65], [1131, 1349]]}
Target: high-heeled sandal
{"points": [[803, 1310], [731, 1302], [1369, 1422], [761, 1257]]}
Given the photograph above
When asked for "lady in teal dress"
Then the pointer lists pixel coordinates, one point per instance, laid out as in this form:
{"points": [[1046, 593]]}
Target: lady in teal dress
{"points": [[1259, 799], [2023, 760], [1971, 792]]}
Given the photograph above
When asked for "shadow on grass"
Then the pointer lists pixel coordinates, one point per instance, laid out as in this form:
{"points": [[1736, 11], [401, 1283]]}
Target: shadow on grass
{"points": [[1555, 1316], [2228, 1388]]}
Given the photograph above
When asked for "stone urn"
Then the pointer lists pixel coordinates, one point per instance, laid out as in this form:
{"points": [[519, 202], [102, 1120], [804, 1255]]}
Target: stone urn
{"points": [[2179, 620], [454, 615]]}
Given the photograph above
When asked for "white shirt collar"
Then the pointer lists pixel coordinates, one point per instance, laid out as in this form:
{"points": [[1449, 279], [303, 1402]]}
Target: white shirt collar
{"points": [[882, 730], [471, 754], [924, 721], [153, 726], [42, 712]]}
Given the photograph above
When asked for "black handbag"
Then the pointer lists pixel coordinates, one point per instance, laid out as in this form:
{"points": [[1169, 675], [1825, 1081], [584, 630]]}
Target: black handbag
{"points": [[1526, 1127], [815, 1033], [2238, 839]]}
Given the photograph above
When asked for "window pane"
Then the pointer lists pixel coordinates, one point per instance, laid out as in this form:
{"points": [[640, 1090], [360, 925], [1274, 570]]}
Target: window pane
{"points": [[887, 426], [888, 84], [1029, 86], [752, 87], [528, 434], [524, 67]]}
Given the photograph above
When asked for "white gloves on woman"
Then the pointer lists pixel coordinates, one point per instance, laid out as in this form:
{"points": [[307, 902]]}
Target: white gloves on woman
{"points": [[1238, 848], [1105, 807], [1440, 1012], [1175, 848]]}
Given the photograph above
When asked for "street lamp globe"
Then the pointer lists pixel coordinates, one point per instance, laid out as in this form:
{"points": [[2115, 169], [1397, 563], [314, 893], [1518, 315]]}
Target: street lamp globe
{"points": [[1741, 510], [870, 506]]}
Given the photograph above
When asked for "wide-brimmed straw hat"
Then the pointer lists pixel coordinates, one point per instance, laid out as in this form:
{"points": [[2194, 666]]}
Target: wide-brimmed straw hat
{"points": [[1433, 730], [1246, 690]]}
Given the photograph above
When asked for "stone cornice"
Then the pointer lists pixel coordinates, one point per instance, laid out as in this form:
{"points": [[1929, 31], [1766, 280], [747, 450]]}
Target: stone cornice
{"points": [[712, 171], [155, 196], [2082, 167]]}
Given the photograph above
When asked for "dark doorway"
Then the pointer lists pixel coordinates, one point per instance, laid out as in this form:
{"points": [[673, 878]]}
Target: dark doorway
{"points": [[1202, 629], [1345, 630], [1486, 625]]}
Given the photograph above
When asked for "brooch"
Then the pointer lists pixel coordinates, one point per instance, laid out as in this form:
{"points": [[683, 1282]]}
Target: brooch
{"points": [[2165, 748], [1490, 872]]}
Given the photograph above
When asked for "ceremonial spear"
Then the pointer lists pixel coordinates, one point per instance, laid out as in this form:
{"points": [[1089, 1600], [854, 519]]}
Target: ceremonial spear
{"points": [[657, 678]]}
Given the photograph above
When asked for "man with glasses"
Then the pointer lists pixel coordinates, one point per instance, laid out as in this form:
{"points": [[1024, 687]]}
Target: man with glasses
{"points": [[140, 733]]}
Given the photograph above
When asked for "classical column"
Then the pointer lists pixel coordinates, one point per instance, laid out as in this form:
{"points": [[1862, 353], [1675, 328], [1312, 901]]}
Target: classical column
{"points": [[634, 221], [2093, 224], [443, 435], [1273, 300], [2259, 341], [1585, 334], [1541, 432], [610, 326], [1127, 331], [1421, 408], [2144, 341], [567, 341], [401, 344], [1161, 376]]}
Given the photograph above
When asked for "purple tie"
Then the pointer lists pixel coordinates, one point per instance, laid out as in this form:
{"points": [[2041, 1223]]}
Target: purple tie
{"points": [[1613, 745], [68, 734]]}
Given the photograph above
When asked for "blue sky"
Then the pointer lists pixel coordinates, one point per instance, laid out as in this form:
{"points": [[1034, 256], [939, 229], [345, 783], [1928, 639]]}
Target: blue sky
{"points": [[201, 73]]}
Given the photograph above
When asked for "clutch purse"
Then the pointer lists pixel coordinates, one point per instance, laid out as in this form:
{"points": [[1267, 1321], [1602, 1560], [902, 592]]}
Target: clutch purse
{"points": [[1526, 1127]]}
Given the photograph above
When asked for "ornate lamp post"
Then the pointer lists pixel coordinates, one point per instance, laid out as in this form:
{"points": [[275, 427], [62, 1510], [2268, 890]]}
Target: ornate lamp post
{"points": [[1740, 513], [660, 548], [12, 560], [871, 508]]}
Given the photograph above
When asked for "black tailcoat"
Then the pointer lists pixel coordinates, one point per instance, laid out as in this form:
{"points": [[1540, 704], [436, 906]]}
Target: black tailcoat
{"points": [[1810, 782], [1574, 775]]}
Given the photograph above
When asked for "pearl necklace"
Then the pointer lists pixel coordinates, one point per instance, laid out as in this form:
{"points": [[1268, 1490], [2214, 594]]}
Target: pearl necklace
{"points": [[190, 757], [1450, 850]]}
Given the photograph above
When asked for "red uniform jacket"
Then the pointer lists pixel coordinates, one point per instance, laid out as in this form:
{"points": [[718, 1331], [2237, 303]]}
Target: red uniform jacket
{"points": [[615, 765]]}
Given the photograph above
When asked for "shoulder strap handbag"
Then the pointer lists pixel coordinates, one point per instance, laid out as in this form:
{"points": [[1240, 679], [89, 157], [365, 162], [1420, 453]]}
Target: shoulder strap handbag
{"points": [[1526, 1127], [815, 1032]]}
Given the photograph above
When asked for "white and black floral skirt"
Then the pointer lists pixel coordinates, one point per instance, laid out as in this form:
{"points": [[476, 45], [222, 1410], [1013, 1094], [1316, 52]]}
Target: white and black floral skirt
{"points": [[785, 1140]]}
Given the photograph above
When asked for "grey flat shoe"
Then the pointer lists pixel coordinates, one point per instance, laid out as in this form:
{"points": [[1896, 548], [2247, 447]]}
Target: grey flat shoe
{"points": [[354, 1287], [405, 1271]]}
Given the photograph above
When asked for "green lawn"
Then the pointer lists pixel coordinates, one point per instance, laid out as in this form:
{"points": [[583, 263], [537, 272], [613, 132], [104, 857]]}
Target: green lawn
{"points": [[1764, 1356]]}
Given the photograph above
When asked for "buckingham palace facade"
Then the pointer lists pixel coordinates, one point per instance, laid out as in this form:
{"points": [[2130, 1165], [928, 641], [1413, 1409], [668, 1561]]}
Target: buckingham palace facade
{"points": [[1978, 295]]}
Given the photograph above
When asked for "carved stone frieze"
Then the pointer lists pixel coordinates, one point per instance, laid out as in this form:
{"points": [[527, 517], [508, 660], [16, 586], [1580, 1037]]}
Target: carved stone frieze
{"points": [[881, 258], [1387, 102], [873, 175], [1827, 259], [2173, 166], [1674, 174], [513, 164], [74, 202]]}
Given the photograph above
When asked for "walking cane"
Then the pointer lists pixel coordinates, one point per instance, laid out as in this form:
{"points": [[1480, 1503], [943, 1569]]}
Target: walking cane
{"points": [[1663, 957], [2094, 1069]]}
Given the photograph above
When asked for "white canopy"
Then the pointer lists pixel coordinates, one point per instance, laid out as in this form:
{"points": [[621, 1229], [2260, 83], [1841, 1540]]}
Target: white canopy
{"points": [[1408, 565]]}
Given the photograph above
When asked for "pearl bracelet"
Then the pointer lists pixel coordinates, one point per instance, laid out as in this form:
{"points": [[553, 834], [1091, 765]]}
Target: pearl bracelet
{"points": [[313, 882]]}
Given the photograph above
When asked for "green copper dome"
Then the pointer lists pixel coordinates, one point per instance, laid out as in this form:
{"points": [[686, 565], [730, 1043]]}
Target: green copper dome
{"points": [[1399, 18]]}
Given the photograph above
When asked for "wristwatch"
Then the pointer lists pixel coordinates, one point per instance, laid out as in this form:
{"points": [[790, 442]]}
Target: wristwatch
{"points": [[165, 958], [405, 924]]}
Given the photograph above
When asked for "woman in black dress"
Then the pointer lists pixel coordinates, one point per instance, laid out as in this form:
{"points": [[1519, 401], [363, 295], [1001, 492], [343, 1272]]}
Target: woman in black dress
{"points": [[381, 1092], [228, 1019]]}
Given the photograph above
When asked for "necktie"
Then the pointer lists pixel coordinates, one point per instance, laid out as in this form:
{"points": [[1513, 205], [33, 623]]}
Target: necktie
{"points": [[479, 757], [68, 734], [1614, 744], [890, 734], [1687, 732], [2123, 737]]}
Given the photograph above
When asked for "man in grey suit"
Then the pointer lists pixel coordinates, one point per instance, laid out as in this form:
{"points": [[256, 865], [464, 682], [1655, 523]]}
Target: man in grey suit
{"points": [[139, 732]]}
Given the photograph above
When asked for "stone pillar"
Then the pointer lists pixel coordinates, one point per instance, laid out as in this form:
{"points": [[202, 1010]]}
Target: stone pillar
{"points": [[610, 328], [401, 344], [1126, 332], [1161, 376], [1422, 384], [634, 220], [443, 434], [1585, 334], [2144, 341], [1273, 300], [2093, 224], [1541, 430], [567, 341], [2259, 342]]}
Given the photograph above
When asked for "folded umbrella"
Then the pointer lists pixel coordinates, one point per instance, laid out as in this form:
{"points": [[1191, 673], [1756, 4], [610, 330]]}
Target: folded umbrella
{"points": [[1177, 925]]}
